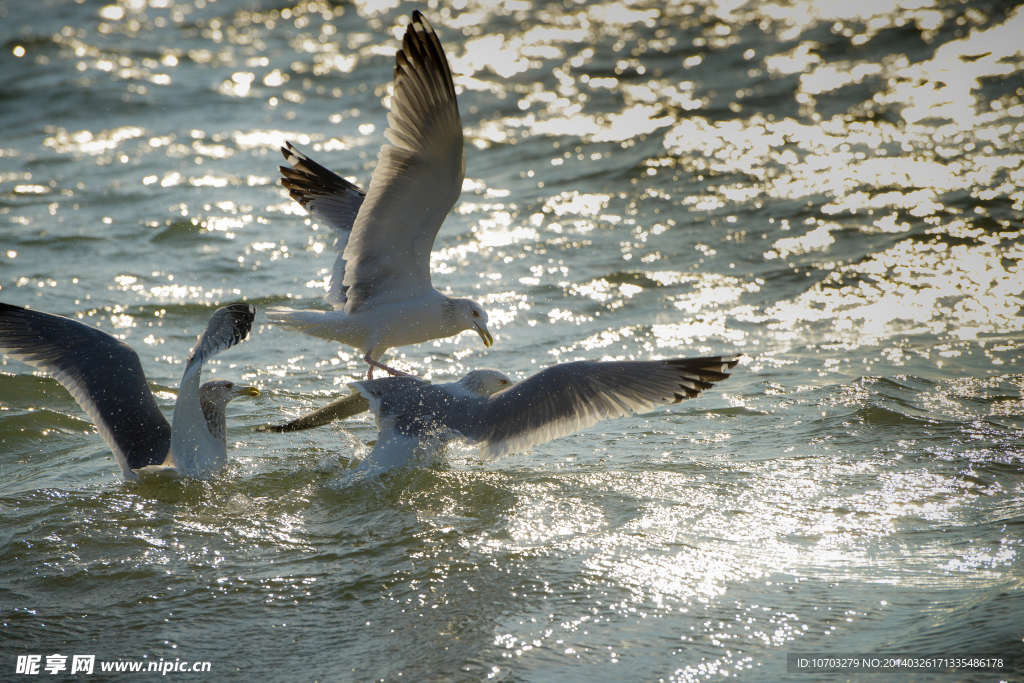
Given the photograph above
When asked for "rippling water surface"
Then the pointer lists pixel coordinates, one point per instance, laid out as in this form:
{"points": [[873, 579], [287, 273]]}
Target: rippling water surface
{"points": [[833, 189]]}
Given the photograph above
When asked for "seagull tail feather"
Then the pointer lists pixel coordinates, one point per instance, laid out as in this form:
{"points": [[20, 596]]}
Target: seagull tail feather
{"points": [[322, 324]]}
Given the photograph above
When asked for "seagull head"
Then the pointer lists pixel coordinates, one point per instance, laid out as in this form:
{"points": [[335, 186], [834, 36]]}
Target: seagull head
{"points": [[486, 381], [220, 392], [214, 397], [472, 316]]}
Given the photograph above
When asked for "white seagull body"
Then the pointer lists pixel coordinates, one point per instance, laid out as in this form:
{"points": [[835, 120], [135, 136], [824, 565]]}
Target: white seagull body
{"points": [[380, 286], [486, 408], [105, 376]]}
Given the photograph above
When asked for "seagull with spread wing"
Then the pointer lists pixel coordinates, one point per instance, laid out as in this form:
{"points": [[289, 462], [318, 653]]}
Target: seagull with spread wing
{"points": [[488, 409], [105, 376], [380, 286]]}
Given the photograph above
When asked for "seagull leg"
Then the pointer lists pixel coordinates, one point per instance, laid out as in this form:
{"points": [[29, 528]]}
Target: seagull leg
{"points": [[375, 364]]}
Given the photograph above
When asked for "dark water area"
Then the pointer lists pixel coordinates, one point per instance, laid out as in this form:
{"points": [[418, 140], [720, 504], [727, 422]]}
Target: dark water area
{"points": [[832, 189]]}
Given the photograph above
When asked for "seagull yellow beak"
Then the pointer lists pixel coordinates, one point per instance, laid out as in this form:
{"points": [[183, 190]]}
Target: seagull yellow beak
{"points": [[246, 391], [485, 335]]}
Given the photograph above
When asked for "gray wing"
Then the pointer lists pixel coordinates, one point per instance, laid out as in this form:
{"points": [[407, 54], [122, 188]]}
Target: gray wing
{"points": [[417, 180], [102, 373], [331, 200], [571, 396], [195, 449], [418, 408], [227, 326], [402, 398], [415, 419]]}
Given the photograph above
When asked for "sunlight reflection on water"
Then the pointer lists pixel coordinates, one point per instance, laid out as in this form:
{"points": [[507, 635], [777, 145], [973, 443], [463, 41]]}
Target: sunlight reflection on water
{"points": [[833, 188]]}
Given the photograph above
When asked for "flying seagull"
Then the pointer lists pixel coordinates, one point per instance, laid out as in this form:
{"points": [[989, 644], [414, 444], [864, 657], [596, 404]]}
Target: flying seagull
{"points": [[380, 287], [488, 409], [106, 378]]}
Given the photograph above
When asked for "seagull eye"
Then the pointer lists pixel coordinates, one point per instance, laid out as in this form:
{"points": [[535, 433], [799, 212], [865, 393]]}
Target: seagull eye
{"points": [[476, 314]]}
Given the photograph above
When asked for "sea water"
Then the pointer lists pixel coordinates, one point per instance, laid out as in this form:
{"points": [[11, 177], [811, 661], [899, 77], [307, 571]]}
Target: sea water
{"points": [[832, 189]]}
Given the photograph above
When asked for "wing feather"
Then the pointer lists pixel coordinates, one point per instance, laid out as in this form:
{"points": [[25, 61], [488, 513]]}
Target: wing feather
{"points": [[102, 373], [195, 449], [417, 180], [568, 397], [331, 200]]}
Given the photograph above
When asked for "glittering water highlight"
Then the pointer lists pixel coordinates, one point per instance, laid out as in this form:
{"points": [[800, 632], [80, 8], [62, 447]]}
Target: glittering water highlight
{"points": [[833, 189]]}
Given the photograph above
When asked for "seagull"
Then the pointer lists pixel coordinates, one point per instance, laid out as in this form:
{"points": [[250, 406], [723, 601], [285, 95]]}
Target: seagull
{"points": [[488, 409], [105, 376], [380, 286]]}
